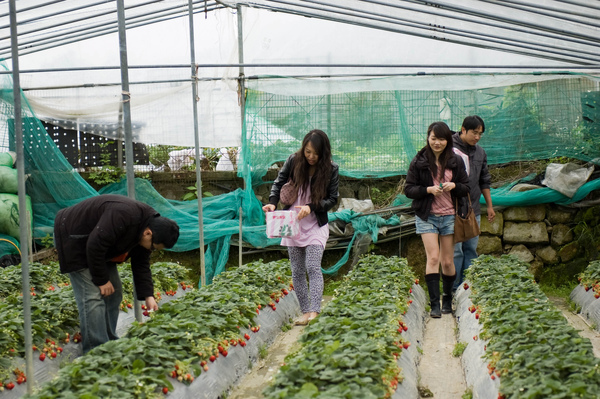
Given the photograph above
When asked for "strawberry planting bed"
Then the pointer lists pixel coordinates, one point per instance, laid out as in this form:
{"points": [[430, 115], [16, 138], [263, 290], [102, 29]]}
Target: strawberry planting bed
{"points": [[197, 345], [365, 342], [519, 345], [55, 320], [587, 294]]}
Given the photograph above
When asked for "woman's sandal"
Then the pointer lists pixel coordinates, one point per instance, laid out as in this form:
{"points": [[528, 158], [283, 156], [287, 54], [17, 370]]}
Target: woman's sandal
{"points": [[302, 322]]}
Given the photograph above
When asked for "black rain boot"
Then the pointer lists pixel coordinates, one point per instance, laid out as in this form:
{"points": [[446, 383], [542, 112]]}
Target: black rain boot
{"points": [[447, 283], [433, 286]]}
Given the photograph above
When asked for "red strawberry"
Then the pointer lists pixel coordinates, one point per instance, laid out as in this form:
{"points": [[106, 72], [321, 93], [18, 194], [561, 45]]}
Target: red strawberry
{"points": [[42, 356], [9, 385], [406, 345], [405, 327], [165, 390], [146, 313], [247, 336], [477, 315], [466, 286], [213, 358], [417, 281], [20, 380], [53, 355], [224, 353]]}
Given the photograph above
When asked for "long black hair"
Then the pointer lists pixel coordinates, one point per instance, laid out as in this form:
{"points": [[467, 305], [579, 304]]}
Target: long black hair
{"points": [[441, 131], [320, 180]]}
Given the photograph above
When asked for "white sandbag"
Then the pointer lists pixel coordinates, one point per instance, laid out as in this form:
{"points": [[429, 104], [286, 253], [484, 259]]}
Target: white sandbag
{"points": [[8, 180], [8, 158], [9, 215]]}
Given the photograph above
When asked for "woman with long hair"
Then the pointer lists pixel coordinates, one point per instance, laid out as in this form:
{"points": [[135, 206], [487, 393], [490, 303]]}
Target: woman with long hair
{"points": [[436, 179], [313, 172]]}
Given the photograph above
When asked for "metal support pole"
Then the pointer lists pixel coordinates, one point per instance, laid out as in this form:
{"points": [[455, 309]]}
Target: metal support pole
{"points": [[242, 100], [197, 142], [23, 219], [125, 98]]}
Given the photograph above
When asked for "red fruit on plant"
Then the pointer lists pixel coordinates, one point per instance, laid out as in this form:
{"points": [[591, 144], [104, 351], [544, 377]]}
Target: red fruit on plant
{"points": [[220, 348], [243, 343], [165, 390], [129, 305], [273, 307], [597, 295], [205, 367], [406, 344], [466, 286], [213, 358], [277, 300], [477, 315], [173, 374], [405, 327], [417, 281], [59, 349], [247, 336], [20, 380], [146, 313], [9, 386], [224, 353], [42, 356], [53, 355]]}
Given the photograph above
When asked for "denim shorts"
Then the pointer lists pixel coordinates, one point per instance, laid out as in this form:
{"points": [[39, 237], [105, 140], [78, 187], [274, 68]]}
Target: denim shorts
{"points": [[442, 225]]}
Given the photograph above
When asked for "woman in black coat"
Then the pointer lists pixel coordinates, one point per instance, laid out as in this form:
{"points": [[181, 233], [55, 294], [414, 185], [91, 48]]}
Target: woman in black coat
{"points": [[436, 179]]}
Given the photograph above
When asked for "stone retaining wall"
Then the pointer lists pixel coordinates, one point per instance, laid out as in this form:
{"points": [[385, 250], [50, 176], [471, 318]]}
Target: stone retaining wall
{"points": [[556, 241]]}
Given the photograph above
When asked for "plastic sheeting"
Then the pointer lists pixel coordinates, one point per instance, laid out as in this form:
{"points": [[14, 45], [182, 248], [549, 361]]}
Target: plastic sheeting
{"points": [[409, 358], [474, 366], [590, 305]]}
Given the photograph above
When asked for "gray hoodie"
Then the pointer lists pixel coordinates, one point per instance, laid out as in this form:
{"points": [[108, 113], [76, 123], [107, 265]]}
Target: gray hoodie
{"points": [[479, 176]]}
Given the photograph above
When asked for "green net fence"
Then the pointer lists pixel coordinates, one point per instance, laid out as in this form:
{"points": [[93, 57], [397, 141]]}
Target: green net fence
{"points": [[374, 133]]}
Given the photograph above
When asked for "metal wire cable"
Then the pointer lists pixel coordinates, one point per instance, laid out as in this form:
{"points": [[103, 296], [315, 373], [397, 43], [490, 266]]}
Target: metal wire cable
{"points": [[469, 34]]}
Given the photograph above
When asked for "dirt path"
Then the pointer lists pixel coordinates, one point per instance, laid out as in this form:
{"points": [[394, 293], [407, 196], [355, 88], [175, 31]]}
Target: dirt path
{"points": [[578, 323], [440, 373], [261, 375]]}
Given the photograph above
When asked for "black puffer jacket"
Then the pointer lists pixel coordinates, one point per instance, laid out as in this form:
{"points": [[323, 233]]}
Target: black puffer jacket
{"points": [[326, 203], [419, 178], [98, 229]]}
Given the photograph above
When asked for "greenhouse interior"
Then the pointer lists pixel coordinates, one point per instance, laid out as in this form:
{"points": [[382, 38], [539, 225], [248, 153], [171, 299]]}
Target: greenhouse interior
{"points": [[192, 106]]}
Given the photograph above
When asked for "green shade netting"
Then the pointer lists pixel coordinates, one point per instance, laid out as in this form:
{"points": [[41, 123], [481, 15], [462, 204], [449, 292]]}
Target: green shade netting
{"points": [[374, 133], [377, 133]]}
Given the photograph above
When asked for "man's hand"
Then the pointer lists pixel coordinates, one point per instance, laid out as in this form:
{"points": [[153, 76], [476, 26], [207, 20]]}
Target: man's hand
{"points": [[151, 303], [107, 289], [490, 214]]}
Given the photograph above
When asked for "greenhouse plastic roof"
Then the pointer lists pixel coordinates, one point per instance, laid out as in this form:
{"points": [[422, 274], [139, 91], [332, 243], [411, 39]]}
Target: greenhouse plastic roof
{"points": [[558, 30]]}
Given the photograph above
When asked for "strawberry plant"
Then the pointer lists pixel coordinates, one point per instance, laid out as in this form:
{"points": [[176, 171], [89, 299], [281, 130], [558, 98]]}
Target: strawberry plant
{"points": [[589, 279], [531, 347], [54, 314], [179, 341], [352, 348]]}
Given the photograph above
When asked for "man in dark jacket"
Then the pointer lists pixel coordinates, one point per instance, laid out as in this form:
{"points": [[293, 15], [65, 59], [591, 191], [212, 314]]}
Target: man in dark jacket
{"points": [[94, 235], [475, 158]]}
